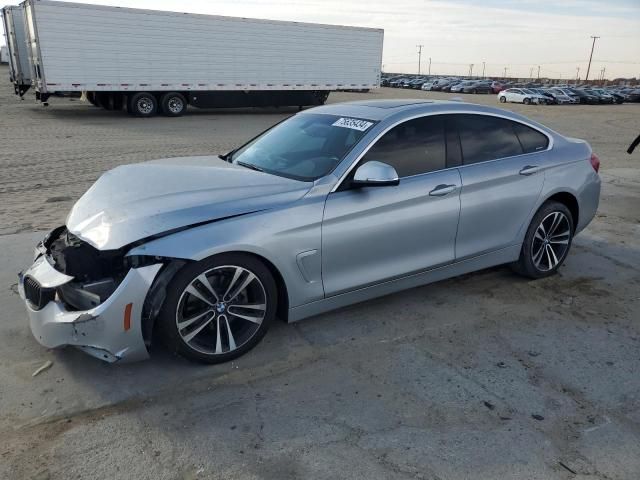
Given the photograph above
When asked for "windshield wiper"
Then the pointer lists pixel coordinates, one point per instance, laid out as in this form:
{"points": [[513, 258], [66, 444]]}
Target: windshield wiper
{"points": [[250, 165]]}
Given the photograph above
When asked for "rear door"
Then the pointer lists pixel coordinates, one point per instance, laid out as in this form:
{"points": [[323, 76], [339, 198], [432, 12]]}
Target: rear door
{"points": [[515, 95], [374, 234], [502, 178]]}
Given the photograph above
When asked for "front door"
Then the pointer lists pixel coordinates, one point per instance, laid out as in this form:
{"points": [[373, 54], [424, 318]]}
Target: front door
{"points": [[374, 234]]}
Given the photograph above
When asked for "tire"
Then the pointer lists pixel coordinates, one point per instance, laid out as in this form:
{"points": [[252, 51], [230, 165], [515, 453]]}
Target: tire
{"points": [[173, 104], [143, 104], [101, 100], [474, 91], [527, 101], [228, 330], [118, 101], [546, 231], [503, 99], [91, 98]]}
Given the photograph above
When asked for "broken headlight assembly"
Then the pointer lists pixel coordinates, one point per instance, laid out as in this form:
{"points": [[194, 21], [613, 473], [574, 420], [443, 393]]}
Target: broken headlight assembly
{"points": [[96, 274]]}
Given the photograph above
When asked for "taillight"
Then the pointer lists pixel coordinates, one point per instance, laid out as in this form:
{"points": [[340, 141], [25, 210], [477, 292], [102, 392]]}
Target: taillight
{"points": [[595, 162]]}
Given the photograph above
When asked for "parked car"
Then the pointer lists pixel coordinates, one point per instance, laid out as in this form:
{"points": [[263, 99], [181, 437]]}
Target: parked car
{"points": [[397, 82], [560, 98], [477, 87], [417, 83], [551, 99], [633, 96], [448, 86], [459, 87], [497, 87], [333, 206], [521, 95], [427, 85], [585, 97], [568, 92], [603, 96], [440, 83]]}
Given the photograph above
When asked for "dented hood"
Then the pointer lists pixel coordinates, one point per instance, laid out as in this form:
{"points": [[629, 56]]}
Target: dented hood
{"points": [[134, 202]]}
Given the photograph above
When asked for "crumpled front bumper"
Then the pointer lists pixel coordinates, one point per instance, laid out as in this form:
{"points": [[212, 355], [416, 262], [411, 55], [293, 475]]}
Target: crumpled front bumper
{"points": [[112, 331]]}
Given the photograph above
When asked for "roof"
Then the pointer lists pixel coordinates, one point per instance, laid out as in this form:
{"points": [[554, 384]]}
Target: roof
{"points": [[380, 110], [374, 109]]}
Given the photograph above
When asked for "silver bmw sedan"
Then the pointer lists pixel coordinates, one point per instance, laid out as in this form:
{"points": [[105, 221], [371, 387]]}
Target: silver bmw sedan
{"points": [[333, 206]]}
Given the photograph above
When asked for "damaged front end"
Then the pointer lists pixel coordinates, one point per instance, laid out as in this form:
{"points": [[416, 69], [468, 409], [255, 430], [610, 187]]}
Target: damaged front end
{"points": [[94, 300]]}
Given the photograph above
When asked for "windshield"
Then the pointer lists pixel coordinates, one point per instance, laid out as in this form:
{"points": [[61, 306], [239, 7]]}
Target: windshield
{"points": [[304, 147]]}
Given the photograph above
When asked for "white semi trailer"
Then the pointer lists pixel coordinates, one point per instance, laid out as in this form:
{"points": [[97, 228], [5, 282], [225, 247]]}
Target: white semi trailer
{"points": [[154, 61], [18, 58]]}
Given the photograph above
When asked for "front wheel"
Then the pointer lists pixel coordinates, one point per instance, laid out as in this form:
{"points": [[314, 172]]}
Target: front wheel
{"points": [[526, 101], [547, 241], [218, 309], [503, 99]]}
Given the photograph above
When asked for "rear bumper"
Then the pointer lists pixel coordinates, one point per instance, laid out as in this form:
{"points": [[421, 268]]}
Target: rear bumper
{"points": [[102, 332]]}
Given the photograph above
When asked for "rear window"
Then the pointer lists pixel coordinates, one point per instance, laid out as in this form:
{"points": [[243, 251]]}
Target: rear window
{"points": [[484, 137], [531, 140]]}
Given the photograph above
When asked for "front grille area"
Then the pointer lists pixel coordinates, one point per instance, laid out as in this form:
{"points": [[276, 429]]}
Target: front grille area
{"points": [[37, 296]]}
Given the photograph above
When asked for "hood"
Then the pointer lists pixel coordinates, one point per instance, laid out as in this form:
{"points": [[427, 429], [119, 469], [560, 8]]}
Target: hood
{"points": [[134, 202]]}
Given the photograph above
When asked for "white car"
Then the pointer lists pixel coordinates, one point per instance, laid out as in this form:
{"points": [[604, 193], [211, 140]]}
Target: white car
{"points": [[427, 86], [522, 95]]}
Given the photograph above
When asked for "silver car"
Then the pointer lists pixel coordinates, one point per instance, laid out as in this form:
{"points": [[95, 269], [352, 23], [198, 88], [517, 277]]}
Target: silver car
{"points": [[333, 206]]}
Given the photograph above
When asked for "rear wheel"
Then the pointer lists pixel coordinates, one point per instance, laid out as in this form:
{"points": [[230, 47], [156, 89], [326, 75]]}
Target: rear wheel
{"points": [[526, 101], [220, 308], [173, 104], [143, 104], [547, 241], [503, 99]]}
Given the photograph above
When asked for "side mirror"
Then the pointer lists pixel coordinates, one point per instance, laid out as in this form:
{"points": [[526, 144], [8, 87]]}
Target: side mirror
{"points": [[375, 174]]}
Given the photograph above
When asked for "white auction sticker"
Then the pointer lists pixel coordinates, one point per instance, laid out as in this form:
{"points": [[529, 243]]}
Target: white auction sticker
{"points": [[352, 123]]}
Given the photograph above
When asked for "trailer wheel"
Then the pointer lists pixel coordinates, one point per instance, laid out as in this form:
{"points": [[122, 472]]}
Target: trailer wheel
{"points": [[173, 104], [118, 101], [143, 104], [100, 100], [91, 98]]}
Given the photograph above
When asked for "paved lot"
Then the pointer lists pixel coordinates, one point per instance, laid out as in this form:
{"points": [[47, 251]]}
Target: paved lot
{"points": [[487, 376]]}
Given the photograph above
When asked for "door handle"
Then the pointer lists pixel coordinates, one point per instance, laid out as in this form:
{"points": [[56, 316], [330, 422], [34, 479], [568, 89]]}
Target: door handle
{"points": [[529, 170], [442, 190]]}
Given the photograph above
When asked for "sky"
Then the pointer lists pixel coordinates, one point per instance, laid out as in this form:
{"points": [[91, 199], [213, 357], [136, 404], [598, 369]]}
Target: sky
{"points": [[518, 35]]}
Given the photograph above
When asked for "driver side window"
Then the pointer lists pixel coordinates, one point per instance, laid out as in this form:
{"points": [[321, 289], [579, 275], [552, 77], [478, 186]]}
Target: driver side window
{"points": [[413, 147]]}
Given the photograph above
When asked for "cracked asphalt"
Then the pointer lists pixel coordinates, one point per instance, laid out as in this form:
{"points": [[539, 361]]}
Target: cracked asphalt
{"points": [[485, 376]]}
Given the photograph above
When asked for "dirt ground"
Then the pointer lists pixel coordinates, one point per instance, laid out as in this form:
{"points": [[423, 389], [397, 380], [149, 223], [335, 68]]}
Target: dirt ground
{"points": [[486, 376]]}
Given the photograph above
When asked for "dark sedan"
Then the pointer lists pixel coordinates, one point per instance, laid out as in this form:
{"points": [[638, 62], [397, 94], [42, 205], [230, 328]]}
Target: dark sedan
{"points": [[478, 87], [585, 97]]}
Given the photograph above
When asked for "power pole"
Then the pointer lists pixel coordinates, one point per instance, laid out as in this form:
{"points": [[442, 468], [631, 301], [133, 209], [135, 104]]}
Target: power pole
{"points": [[483, 65], [505, 72], [593, 45], [429, 65], [531, 73], [471, 69], [538, 72], [577, 75], [419, 57]]}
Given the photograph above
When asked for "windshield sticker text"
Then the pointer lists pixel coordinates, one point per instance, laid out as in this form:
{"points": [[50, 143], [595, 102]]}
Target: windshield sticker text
{"points": [[352, 123]]}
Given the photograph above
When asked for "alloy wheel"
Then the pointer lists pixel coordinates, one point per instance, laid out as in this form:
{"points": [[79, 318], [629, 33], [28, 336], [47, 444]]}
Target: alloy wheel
{"points": [[221, 310], [551, 241]]}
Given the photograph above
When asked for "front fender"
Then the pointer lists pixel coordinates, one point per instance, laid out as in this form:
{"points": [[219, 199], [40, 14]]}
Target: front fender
{"points": [[279, 236]]}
